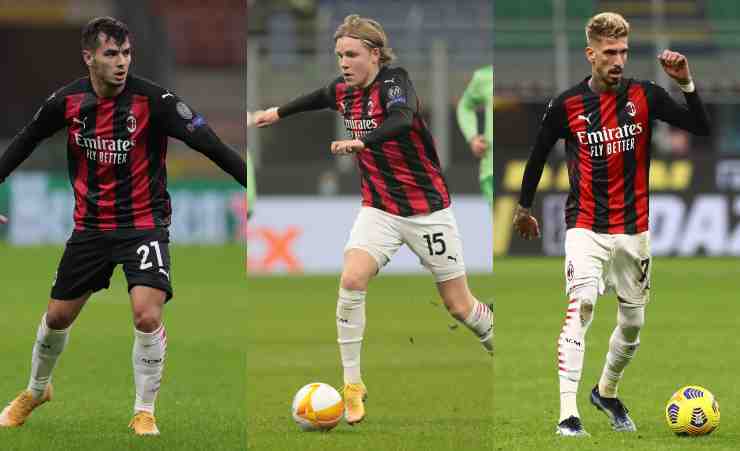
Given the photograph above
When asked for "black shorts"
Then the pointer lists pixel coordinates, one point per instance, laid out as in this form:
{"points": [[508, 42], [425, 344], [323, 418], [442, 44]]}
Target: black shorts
{"points": [[90, 257]]}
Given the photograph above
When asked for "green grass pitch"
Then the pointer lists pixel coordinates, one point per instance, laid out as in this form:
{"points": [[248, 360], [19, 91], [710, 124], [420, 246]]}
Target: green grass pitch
{"points": [[690, 337], [201, 404], [429, 381]]}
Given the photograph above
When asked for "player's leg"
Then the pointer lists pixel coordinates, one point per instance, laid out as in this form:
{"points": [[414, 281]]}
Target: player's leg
{"points": [[586, 255], [464, 307], [623, 345], [359, 267], [630, 275], [435, 239], [145, 258], [51, 338], [372, 242], [148, 354], [83, 269]]}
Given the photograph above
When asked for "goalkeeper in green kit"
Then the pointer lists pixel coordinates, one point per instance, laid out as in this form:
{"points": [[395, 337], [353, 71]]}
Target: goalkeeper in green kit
{"points": [[479, 93]]}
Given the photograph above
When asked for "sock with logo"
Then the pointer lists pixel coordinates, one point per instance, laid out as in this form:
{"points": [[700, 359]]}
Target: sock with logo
{"points": [[46, 351], [350, 329], [148, 359], [623, 345], [572, 347]]}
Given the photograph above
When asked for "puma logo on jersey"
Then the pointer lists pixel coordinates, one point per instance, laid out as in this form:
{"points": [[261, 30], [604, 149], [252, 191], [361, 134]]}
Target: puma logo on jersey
{"points": [[167, 94], [585, 118], [166, 274], [81, 122]]}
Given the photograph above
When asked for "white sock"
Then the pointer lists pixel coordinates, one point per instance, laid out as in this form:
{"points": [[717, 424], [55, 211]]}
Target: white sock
{"points": [[480, 322], [571, 349], [568, 395], [350, 328], [46, 350], [148, 359], [623, 345]]}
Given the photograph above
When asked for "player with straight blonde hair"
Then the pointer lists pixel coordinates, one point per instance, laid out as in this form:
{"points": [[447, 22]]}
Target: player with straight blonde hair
{"points": [[405, 199]]}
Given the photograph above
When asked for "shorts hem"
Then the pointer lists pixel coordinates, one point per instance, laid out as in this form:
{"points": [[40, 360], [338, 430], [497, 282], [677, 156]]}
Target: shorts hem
{"points": [[167, 290], [448, 276]]}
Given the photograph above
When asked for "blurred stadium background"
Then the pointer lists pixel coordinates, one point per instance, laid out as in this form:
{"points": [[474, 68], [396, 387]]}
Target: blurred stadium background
{"points": [[300, 185], [194, 48], [538, 51]]}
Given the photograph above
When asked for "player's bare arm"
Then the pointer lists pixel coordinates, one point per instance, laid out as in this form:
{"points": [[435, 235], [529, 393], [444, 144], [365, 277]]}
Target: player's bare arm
{"points": [[3, 219], [525, 224]]}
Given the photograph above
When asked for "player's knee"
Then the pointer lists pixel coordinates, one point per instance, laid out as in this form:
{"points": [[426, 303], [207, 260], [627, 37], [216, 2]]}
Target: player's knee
{"points": [[59, 320], [585, 295], [354, 281], [147, 320], [630, 321]]}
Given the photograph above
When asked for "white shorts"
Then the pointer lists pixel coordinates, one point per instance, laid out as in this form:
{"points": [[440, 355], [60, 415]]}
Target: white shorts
{"points": [[433, 238], [615, 262]]}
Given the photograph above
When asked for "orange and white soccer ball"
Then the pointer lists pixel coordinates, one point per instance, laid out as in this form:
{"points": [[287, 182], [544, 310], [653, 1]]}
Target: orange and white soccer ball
{"points": [[317, 407]]}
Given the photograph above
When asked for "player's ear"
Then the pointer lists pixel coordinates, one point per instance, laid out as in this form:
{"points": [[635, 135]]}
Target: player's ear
{"points": [[375, 54], [590, 54], [87, 57]]}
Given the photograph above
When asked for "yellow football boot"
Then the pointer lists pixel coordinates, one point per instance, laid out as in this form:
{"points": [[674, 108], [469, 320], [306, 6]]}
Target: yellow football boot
{"points": [[17, 412], [354, 407], [144, 423]]}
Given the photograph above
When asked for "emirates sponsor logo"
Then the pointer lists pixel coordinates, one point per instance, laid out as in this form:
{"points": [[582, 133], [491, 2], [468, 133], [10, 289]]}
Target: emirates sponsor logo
{"points": [[610, 134], [105, 150], [360, 127], [98, 143]]}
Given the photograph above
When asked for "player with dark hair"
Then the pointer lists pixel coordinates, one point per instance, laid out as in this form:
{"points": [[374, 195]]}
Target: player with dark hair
{"points": [[404, 195], [117, 128], [607, 122]]}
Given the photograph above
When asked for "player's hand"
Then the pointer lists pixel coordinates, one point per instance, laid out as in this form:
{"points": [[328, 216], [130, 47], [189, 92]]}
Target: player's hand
{"points": [[264, 118], [676, 66], [347, 146], [526, 224], [478, 145], [3, 219]]}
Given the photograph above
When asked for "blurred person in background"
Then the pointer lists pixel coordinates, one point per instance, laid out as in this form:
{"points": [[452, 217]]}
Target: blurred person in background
{"points": [[479, 94]]}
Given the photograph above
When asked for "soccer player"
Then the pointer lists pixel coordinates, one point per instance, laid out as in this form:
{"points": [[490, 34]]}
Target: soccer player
{"points": [[117, 128], [404, 195], [479, 93], [606, 121]]}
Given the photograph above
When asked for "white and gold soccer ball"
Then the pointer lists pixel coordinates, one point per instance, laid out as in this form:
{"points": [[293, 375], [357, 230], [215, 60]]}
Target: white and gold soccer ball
{"points": [[317, 407], [692, 410]]}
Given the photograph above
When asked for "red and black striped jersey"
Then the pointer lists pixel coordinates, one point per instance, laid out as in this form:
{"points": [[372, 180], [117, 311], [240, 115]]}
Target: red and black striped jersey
{"points": [[607, 138], [116, 150], [399, 166]]}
